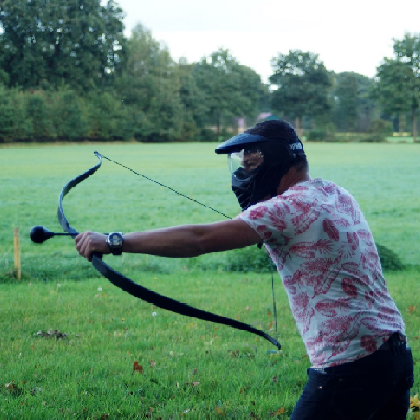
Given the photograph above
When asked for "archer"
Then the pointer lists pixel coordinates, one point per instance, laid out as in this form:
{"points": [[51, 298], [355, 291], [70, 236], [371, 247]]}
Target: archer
{"points": [[320, 241]]}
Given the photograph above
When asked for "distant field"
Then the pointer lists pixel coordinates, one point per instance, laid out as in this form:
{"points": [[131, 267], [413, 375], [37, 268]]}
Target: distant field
{"points": [[383, 177], [401, 139], [192, 369], [391, 139]]}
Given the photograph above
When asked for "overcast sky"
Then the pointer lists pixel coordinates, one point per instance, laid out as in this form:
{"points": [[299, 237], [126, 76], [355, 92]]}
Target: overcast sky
{"points": [[348, 36]]}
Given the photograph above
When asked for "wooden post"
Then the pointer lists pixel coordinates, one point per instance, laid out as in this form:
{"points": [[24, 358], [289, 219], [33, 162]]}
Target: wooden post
{"points": [[16, 244]]}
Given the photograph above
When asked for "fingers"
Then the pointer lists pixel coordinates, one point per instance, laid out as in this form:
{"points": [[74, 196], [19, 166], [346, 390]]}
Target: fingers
{"points": [[89, 242], [82, 244]]}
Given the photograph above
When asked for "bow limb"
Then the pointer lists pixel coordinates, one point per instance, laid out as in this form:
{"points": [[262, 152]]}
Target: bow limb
{"points": [[170, 304], [142, 292], [72, 183]]}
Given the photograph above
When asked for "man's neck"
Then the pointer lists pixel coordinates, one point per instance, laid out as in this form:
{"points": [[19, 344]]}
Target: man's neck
{"points": [[292, 178]]}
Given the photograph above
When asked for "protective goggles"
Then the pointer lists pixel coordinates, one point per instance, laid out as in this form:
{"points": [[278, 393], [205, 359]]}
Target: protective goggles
{"points": [[245, 161]]}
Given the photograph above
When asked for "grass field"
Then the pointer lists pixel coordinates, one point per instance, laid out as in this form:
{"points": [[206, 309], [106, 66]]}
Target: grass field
{"points": [[400, 139], [189, 368]]}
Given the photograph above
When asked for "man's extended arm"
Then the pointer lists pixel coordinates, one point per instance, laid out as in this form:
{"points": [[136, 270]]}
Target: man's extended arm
{"points": [[176, 242]]}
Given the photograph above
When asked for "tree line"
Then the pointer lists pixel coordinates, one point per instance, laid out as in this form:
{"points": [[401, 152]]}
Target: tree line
{"points": [[68, 73]]}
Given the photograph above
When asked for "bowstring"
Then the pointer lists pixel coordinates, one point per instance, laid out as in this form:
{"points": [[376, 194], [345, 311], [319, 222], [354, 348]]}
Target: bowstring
{"points": [[204, 205], [274, 297], [166, 186]]}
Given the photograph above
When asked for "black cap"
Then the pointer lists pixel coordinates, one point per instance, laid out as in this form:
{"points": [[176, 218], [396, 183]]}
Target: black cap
{"points": [[236, 143]]}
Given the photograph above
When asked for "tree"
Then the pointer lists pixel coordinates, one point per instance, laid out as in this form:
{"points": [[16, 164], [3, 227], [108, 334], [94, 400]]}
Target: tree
{"points": [[345, 94], [230, 89], [255, 94], [193, 103], [367, 106], [303, 84], [392, 88], [353, 107], [6, 114], [69, 115], [39, 115], [408, 51], [107, 118], [48, 43], [397, 87], [149, 85]]}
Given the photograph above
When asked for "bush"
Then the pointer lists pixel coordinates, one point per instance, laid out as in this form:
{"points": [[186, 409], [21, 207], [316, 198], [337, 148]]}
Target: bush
{"points": [[68, 116], [108, 119], [389, 259], [6, 114], [248, 259], [22, 125], [206, 134], [256, 260], [38, 113], [379, 132], [189, 130], [325, 133], [350, 137]]}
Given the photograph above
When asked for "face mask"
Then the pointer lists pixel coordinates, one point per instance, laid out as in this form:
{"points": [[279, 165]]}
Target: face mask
{"points": [[244, 168], [257, 171], [243, 186]]}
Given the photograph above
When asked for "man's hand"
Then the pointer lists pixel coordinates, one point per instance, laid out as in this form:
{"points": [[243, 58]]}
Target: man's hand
{"points": [[89, 242]]}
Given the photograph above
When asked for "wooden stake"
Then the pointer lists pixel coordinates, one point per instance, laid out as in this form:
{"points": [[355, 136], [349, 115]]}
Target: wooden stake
{"points": [[16, 243]]}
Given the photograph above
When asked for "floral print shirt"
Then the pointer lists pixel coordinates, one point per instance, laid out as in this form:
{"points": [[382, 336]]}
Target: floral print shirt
{"points": [[321, 243]]}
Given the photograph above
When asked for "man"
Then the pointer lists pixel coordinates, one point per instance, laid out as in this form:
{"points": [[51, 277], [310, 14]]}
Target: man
{"points": [[321, 243]]}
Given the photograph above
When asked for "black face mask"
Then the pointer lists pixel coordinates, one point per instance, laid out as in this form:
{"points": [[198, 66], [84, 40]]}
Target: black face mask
{"points": [[254, 186], [243, 185]]}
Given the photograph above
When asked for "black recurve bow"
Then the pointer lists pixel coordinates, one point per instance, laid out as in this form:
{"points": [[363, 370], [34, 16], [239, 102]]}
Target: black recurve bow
{"points": [[141, 292]]}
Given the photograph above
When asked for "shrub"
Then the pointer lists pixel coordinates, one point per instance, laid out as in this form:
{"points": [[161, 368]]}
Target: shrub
{"points": [[68, 116], [379, 132], [107, 118], [38, 113], [22, 124], [6, 114], [389, 259], [325, 133], [256, 260], [350, 137], [206, 134], [251, 258]]}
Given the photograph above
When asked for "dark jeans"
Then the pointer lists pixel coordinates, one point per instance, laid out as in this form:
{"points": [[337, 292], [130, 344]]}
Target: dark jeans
{"points": [[376, 387]]}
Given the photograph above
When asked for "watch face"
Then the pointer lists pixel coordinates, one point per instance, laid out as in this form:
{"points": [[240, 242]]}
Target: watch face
{"points": [[115, 239]]}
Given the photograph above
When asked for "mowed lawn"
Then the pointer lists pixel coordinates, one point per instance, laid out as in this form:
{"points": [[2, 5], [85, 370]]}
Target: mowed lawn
{"points": [[109, 355]]}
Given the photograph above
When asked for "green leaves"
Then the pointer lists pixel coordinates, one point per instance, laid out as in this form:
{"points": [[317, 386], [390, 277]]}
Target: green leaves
{"points": [[229, 89], [303, 84], [250, 259], [354, 109], [389, 259], [50, 43], [398, 85]]}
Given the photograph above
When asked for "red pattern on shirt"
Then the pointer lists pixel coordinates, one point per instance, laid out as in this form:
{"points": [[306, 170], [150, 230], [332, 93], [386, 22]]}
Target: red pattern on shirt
{"points": [[325, 253]]}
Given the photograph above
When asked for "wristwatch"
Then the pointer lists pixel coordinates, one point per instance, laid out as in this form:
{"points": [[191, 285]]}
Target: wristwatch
{"points": [[115, 242]]}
